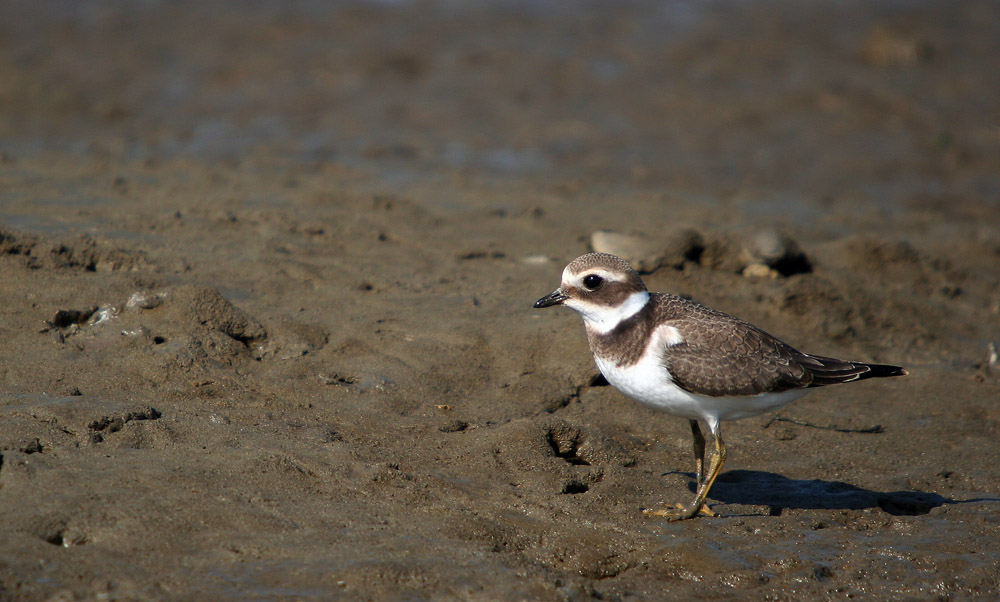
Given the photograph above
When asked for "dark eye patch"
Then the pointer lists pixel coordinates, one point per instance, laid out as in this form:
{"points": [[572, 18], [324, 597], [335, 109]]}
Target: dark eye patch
{"points": [[592, 281]]}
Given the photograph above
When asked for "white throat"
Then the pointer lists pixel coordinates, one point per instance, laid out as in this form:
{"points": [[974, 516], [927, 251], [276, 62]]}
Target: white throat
{"points": [[603, 318]]}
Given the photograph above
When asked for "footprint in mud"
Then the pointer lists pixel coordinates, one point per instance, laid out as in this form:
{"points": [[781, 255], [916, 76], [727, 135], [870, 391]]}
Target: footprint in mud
{"points": [[582, 448], [60, 532], [588, 451]]}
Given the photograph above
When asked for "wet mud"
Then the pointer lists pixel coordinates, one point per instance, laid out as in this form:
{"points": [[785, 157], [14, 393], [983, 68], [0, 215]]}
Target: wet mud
{"points": [[266, 278]]}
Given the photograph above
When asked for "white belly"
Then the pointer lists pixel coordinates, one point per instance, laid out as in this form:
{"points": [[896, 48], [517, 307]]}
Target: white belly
{"points": [[648, 382]]}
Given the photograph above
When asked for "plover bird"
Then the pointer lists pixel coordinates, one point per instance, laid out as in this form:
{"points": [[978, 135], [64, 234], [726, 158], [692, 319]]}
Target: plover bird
{"points": [[685, 359]]}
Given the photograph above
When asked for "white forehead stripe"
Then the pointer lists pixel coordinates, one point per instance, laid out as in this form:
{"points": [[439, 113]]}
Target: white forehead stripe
{"points": [[577, 279]]}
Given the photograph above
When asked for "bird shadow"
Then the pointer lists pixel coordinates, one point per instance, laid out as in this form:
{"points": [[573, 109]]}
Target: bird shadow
{"points": [[757, 488]]}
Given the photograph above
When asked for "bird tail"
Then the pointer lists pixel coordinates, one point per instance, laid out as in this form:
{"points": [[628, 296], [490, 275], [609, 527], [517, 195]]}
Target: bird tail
{"points": [[830, 371]]}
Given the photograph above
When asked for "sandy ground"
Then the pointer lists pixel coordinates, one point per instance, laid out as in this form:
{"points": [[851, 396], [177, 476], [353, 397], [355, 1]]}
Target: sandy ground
{"points": [[266, 280]]}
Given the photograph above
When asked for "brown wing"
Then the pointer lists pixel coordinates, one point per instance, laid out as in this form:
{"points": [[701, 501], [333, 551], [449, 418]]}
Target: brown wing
{"points": [[725, 356], [735, 361]]}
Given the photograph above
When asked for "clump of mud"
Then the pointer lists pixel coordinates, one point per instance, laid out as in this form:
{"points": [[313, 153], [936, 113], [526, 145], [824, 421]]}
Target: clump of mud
{"points": [[81, 253]]}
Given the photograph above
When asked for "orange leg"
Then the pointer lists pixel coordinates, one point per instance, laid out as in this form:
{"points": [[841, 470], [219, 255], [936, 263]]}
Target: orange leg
{"points": [[697, 506]]}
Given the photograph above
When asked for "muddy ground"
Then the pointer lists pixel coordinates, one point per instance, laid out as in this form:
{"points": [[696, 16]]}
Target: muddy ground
{"points": [[266, 277]]}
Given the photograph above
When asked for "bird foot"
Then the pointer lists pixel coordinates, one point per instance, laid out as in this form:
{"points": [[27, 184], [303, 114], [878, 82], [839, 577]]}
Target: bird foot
{"points": [[680, 512]]}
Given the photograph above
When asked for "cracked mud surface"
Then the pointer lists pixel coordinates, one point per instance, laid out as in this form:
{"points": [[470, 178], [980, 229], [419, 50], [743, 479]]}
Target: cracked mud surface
{"points": [[266, 281]]}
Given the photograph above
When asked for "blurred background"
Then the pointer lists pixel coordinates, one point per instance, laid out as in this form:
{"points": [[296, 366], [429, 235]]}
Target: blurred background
{"points": [[796, 104]]}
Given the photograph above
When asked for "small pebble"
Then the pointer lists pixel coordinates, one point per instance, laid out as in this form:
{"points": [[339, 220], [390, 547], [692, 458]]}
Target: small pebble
{"points": [[143, 300], [103, 314], [759, 270], [775, 250], [643, 253]]}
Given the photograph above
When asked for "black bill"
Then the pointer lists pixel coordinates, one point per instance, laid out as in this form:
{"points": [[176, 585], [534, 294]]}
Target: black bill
{"points": [[554, 298]]}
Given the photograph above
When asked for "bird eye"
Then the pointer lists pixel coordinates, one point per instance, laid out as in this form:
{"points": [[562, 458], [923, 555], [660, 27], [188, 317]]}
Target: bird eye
{"points": [[592, 281]]}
